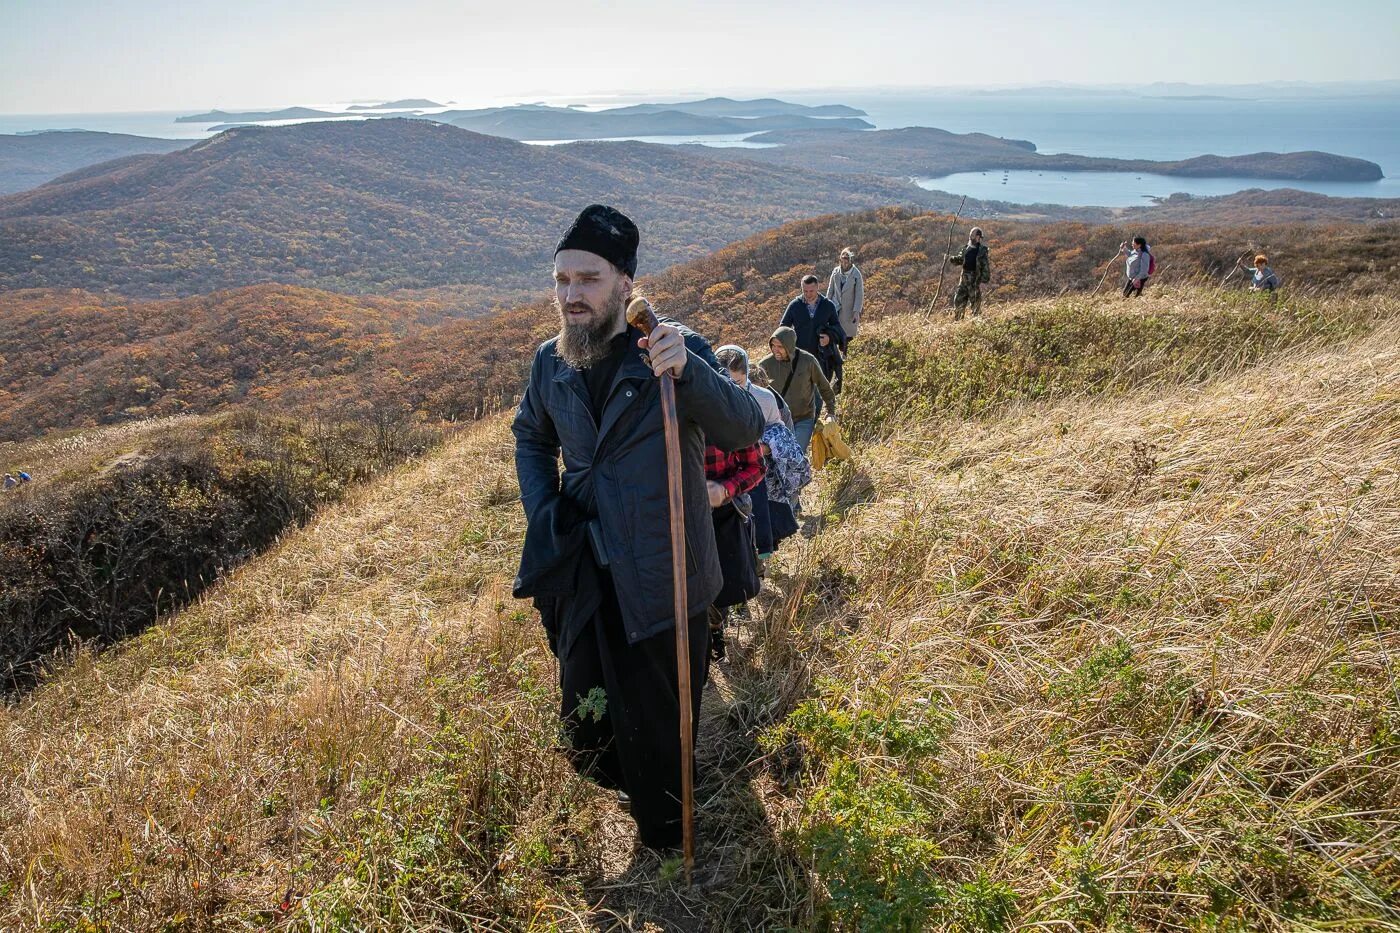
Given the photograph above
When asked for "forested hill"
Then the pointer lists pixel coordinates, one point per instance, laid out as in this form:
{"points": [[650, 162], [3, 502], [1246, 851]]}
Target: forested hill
{"points": [[376, 205], [71, 359]]}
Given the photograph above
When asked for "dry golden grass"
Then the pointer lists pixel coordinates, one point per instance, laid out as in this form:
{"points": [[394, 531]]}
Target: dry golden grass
{"points": [[1163, 630], [218, 762], [1117, 663]]}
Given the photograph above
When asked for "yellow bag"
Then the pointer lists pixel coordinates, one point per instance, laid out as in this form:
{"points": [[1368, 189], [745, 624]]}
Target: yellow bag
{"points": [[836, 447], [818, 456]]}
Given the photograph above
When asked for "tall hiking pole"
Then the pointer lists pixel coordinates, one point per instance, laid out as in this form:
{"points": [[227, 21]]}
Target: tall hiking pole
{"points": [[640, 315], [943, 264], [1106, 272]]}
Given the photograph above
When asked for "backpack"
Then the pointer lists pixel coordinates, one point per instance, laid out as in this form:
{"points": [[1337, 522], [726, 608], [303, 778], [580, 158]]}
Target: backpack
{"points": [[1151, 262]]}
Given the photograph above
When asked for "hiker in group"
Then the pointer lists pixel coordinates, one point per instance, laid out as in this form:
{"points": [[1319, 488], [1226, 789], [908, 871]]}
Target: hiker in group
{"points": [[976, 268], [809, 314], [24, 477], [10, 482], [729, 477], [735, 361], [597, 554], [787, 471], [759, 378], [1140, 266], [1265, 279], [832, 360], [846, 290], [799, 379]]}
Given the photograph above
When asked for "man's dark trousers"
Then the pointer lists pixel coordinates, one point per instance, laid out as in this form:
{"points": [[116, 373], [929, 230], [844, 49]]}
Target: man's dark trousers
{"points": [[635, 746]]}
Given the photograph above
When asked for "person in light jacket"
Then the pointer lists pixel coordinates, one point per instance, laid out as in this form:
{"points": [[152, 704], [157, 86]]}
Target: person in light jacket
{"points": [[1265, 279], [846, 290], [1138, 268]]}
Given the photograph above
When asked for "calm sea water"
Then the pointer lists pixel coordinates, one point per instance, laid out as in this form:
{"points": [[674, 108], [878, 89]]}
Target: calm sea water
{"points": [[1141, 128], [1124, 127]]}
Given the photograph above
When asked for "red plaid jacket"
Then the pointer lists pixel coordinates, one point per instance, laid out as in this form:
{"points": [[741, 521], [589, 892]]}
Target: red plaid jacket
{"points": [[737, 472]]}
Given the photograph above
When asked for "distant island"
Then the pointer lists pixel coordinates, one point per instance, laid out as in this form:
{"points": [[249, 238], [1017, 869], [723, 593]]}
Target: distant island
{"points": [[411, 104], [255, 116], [728, 107], [1051, 91], [536, 123], [932, 153], [713, 116], [1197, 97]]}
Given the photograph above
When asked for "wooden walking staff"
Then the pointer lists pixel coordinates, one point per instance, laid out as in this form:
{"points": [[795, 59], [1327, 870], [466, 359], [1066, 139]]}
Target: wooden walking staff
{"points": [[639, 315], [1107, 269], [943, 264]]}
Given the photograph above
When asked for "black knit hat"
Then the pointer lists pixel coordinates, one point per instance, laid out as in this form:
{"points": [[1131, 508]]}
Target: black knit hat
{"points": [[606, 232]]}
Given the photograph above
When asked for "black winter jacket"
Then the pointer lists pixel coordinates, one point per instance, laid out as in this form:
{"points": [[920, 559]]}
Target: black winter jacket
{"points": [[616, 470], [809, 328]]}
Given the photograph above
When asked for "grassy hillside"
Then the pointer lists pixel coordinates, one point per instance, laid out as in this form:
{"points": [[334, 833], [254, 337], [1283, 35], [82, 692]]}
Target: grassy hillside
{"points": [[71, 359], [1102, 654], [122, 524]]}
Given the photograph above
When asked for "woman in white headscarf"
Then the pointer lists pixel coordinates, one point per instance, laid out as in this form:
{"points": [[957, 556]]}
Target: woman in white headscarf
{"points": [[735, 360]]}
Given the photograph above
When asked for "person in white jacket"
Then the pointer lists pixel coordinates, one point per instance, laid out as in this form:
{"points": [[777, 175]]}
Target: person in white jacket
{"points": [[846, 290], [1139, 266], [735, 360]]}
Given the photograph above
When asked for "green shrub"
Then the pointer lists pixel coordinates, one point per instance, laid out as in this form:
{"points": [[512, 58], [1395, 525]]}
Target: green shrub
{"points": [[866, 826]]}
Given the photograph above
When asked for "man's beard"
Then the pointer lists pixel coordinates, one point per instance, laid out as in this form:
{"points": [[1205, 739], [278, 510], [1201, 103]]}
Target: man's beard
{"points": [[587, 342]]}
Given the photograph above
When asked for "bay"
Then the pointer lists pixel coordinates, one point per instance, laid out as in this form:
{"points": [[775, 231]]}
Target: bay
{"points": [[1126, 126]]}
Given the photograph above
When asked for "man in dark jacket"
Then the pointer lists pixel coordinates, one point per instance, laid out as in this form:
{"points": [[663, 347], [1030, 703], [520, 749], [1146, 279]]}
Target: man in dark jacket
{"points": [[597, 554], [809, 314]]}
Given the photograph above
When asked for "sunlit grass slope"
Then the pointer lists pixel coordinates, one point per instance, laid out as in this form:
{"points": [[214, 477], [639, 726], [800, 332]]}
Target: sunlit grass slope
{"points": [[1100, 637]]}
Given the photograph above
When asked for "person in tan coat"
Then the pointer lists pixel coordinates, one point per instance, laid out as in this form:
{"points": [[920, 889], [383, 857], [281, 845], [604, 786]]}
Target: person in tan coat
{"points": [[846, 289]]}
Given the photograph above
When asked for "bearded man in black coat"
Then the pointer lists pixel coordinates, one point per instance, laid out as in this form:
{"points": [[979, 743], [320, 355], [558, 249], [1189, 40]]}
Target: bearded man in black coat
{"points": [[597, 554]]}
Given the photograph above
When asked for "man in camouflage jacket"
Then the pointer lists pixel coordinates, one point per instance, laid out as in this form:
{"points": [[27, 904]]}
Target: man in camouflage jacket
{"points": [[976, 270]]}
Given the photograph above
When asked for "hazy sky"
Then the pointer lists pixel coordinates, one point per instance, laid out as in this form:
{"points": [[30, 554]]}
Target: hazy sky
{"points": [[99, 55]]}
